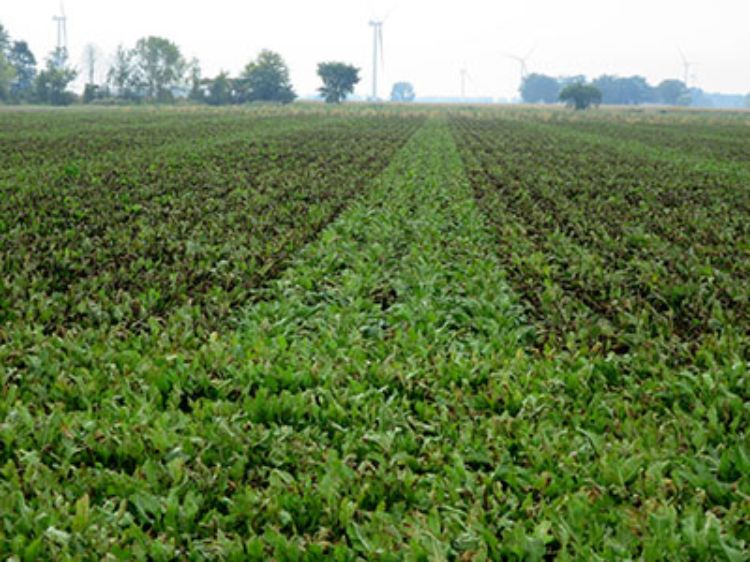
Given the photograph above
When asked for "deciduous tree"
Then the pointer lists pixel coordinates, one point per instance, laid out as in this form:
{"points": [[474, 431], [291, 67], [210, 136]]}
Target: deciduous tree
{"points": [[197, 92], [538, 88], [581, 96], [4, 39], [7, 74], [220, 90], [403, 92], [267, 79], [159, 68], [339, 80], [672, 92], [24, 66], [616, 90], [121, 76], [52, 82]]}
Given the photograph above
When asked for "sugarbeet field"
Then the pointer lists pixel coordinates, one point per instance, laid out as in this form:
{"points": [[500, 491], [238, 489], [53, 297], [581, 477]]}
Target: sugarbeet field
{"points": [[374, 333]]}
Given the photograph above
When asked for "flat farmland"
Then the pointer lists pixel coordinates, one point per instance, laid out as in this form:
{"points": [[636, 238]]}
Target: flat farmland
{"points": [[374, 333]]}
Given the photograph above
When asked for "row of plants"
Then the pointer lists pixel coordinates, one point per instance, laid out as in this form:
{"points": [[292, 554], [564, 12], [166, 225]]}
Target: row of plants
{"points": [[632, 263], [382, 401], [108, 238], [267, 441], [613, 249], [30, 140], [717, 139], [720, 137]]}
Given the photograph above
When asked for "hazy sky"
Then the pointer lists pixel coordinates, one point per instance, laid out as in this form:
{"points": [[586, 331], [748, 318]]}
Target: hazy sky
{"points": [[426, 41]]}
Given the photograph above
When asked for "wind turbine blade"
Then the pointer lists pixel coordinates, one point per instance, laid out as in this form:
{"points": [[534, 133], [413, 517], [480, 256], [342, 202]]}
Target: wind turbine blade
{"points": [[531, 52], [389, 13]]}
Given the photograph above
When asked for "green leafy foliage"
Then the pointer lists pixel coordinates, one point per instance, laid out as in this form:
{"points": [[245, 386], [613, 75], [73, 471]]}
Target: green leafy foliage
{"points": [[581, 96], [338, 79], [267, 79], [538, 88], [153, 71], [616, 247], [672, 92], [403, 92], [117, 240], [393, 388], [52, 82], [7, 72], [158, 68]]}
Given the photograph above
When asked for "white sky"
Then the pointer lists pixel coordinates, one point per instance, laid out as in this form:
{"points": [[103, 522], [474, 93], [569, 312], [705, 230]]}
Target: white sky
{"points": [[426, 41]]}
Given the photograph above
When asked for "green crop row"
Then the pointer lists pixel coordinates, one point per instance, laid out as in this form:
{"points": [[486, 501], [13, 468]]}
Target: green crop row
{"points": [[635, 263], [309, 431], [504, 338], [123, 241], [29, 139], [698, 140], [615, 250]]}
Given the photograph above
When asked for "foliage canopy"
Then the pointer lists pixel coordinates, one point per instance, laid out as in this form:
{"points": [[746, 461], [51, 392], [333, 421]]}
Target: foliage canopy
{"points": [[581, 96], [52, 82], [24, 66], [267, 79], [538, 88], [403, 92], [338, 79]]}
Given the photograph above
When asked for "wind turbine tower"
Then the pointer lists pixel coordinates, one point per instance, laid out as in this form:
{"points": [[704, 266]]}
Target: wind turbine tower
{"points": [[62, 36], [687, 65], [377, 53]]}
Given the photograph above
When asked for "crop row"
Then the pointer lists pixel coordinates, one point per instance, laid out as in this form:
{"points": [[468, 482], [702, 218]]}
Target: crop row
{"points": [[612, 250], [719, 143], [122, 240], [714, 137], [30, 141], [380, 403]]}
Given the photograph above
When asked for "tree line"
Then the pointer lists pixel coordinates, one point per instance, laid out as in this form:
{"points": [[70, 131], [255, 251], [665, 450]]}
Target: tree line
{"points": [[155, 71], [614, 90], [22, 82]]}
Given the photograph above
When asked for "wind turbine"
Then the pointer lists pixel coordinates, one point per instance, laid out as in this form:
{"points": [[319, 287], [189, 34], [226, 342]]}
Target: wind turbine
{"points": [[687, 65], [62, 36], [466, 78], [377, 53], [522, 61]]}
